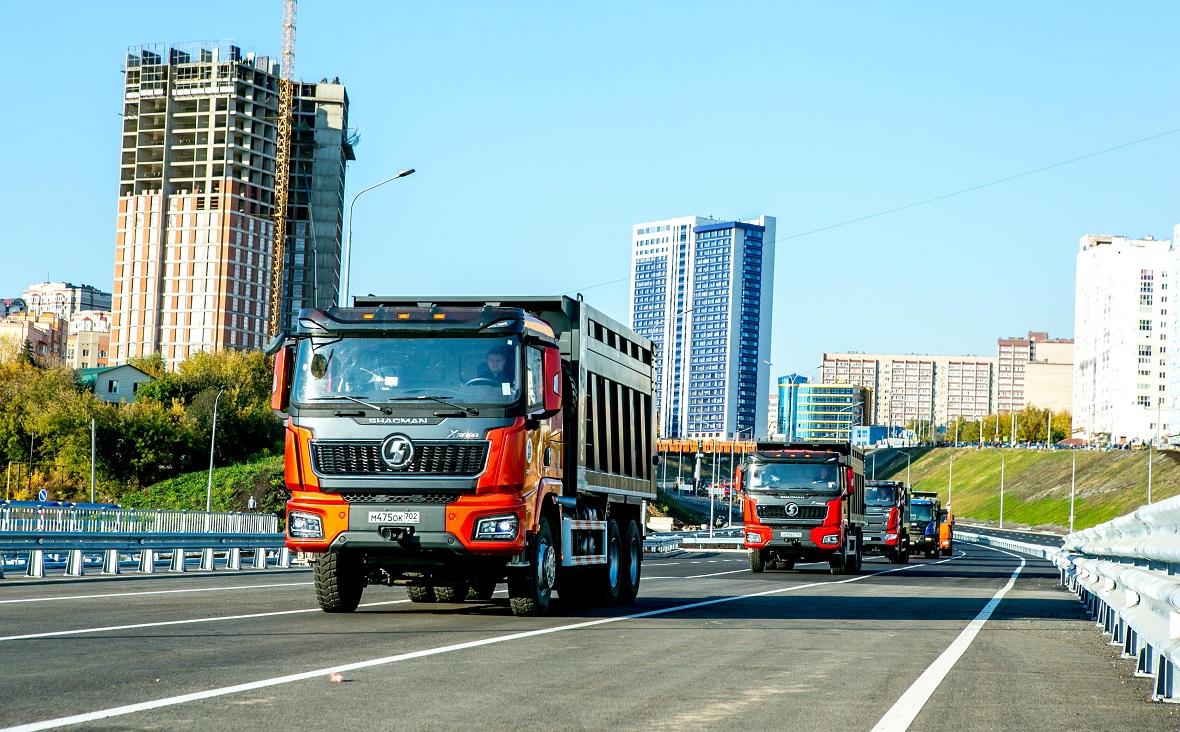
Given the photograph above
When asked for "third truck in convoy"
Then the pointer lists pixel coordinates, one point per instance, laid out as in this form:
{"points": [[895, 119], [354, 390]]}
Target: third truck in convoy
{"points": [[887, 520], [451, 444], [803, 503]]}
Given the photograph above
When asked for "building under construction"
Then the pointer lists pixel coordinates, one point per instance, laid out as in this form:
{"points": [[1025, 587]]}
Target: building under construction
{"points": [[196, 200]]}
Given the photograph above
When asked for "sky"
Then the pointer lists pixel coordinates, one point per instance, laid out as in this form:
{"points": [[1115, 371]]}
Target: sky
{"points": [[542, 132]]}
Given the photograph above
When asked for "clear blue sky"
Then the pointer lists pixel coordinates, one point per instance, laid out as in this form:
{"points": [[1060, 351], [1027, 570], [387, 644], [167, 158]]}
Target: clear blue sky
{"points": [[542, 132]]}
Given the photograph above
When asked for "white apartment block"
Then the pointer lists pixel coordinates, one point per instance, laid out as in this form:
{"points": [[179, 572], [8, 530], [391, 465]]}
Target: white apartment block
{"points": [[1121, 322], [63, 299], [917, 388]]}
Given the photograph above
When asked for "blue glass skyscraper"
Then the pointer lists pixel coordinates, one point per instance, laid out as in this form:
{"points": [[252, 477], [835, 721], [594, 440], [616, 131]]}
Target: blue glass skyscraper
{"points": [[701, 289]]}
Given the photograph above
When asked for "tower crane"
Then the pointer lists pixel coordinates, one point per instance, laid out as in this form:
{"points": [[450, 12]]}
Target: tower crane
{"points": [[282, 168]]}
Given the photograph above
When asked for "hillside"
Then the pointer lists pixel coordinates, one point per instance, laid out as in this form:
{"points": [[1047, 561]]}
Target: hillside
{"points": [[233, 485], [1037, 483]]}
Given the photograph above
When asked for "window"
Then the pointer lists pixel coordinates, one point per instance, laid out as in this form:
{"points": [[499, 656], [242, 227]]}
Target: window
{"points": [[113, 386], [536, 379]]}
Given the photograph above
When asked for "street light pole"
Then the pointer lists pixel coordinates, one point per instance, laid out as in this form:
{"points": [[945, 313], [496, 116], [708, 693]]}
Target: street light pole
{"points": [[908, 484], [347, 255], [92, 451], [212, 444], [1073, 473]]}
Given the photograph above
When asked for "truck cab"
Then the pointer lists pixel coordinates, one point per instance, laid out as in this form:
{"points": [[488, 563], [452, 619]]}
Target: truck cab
{"points": [[925, 522], [803, 503], [887, 520]]}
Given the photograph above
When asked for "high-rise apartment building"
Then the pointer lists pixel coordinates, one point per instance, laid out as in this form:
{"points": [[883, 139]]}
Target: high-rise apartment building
{"points": [[1047, 358], [916, 389], [63, 299], [196, 200], [701, 289], [1121, 324]]}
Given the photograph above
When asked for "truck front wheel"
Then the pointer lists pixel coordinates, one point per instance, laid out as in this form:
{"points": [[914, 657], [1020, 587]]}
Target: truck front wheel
{"points": [[757, 561], [530, 589], [339, 582], [632, 563]]}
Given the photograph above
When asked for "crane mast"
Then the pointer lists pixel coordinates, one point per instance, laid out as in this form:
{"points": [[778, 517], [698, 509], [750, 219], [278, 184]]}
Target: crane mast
{"points": [[282, 168]]}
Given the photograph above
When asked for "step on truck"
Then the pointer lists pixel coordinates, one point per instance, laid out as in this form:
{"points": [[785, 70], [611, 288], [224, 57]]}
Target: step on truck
{"points": [[452, 444], [887, 514], [925, 522], [803, 502]]}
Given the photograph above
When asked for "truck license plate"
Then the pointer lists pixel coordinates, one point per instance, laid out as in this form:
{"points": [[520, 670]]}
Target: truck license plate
{"points": [[790, 534], [393, 517]]}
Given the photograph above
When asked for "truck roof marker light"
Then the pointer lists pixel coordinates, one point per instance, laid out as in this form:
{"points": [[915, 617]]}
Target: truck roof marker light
{"points": [[440, 316], [403, 316], [367, 316]]}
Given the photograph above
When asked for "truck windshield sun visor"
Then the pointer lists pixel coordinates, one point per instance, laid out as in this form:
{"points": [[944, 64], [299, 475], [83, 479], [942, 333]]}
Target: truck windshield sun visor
{"points": [[794, 476], [454, 371]]}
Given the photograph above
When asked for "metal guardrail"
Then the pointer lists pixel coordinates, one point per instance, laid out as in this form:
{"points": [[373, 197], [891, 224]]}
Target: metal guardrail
{"points": [[142, 536], [661, 543], [126, 520], [1125, 573], [1023, 547]]}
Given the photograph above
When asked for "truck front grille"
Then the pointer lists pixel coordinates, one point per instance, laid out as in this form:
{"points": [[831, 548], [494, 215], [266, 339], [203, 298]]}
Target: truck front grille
{"points": [[436, 498], [780, 512], [462, 459]]}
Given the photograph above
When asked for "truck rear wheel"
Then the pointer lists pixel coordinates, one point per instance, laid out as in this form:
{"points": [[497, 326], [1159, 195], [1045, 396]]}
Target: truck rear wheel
{"points": [[632, 564], [530, 589], [757, 561], [458, 593], [607, 579], [339, 582], [421, 593], [481, 590]]}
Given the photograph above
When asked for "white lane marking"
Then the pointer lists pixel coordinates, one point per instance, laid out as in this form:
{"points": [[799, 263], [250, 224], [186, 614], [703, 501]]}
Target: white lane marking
{"points": [[320, 673], [156, 592], [902, 714], [109, 628]]}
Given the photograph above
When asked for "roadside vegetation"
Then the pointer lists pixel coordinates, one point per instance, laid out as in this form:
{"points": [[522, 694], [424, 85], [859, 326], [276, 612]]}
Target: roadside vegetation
{"points": [[1037, 483]]}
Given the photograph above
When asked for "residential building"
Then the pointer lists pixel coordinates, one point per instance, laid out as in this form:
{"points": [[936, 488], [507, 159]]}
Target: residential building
{"points": [[116, 384], [1013, 356], [89, 341], [63, 299], [12, 306], [771, 415], [45, 334], [1048, 377], [1121, 324], [195, 233], [913, 390], [819, 412], [701, 289]]}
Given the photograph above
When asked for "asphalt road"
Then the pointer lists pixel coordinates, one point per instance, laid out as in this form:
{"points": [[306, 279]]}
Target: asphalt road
{"points": [[707, 646]]}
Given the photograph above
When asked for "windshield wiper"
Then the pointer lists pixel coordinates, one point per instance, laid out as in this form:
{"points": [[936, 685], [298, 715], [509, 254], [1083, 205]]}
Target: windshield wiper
{"points": [[468, 410], [358, 400]]}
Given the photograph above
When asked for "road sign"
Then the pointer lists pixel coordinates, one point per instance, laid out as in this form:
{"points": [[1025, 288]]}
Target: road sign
{"points": [[42, 495]]}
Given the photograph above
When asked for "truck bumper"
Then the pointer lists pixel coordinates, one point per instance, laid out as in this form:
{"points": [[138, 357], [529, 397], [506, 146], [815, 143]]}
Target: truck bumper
{"points": [[787, 538]]}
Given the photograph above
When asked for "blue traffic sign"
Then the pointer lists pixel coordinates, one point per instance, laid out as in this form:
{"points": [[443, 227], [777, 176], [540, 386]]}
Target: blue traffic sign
{"points": [[42, 495]]}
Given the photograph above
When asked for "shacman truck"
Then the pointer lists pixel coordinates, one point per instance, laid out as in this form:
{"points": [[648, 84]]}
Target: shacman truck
{"points": [[925, 522], [451, 444], [887, 518], [803, 503]]}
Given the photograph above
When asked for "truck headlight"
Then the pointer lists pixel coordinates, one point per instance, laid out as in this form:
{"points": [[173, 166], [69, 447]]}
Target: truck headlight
{"points": [[831, 539], [890, 537], [305, 526], [753, 537], [497, 528]]}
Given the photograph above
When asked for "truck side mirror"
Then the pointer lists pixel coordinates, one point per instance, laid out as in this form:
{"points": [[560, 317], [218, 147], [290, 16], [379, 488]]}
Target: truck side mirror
{"points": [[280, 391], [552, 381], [942, 515]]}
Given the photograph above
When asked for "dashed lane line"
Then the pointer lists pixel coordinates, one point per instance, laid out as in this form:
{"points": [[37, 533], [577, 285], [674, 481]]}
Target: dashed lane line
{"points": [[902, 714], [319, 673], [155, 592]]}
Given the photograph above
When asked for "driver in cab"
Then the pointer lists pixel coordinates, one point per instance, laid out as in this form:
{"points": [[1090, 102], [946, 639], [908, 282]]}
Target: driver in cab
{"points": [[496, 367]]}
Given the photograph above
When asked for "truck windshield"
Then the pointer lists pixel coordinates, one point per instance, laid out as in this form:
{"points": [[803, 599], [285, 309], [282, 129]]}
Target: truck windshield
{"points": [[921, 514], [788, 476], [460, 370], [879, 495]]}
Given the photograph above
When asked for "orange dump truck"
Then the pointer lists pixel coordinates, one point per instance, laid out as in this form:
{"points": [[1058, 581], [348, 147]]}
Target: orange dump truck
{"points": [[452, 444]]}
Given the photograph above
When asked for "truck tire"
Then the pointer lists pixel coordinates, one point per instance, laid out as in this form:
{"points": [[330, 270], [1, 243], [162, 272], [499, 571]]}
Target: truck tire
{"points": [[857, 559], [607, 579], [339, 582], [757, 561], [421, 593], [530, 589], [947, 552], [931, 553], [481, 590], [457, 593], [632, 563], [840, 561]]}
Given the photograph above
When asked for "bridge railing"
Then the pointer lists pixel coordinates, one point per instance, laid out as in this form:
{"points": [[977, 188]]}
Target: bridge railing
{"points": [[144, 536], [1125, 572]]}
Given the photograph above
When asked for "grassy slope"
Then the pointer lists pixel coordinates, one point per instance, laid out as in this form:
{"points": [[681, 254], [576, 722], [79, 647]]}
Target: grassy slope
{"points": [[1037, 483], [233, 485]]}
